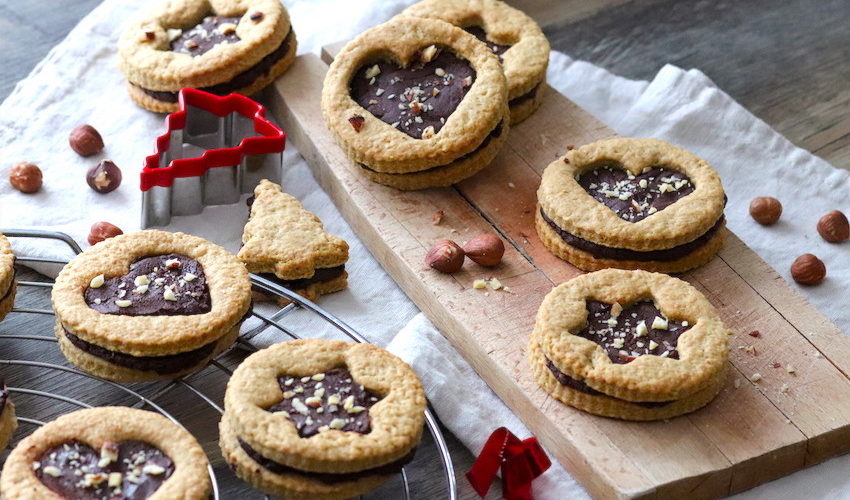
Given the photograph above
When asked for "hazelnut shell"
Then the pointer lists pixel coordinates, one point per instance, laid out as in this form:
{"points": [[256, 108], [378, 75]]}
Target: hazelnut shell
{"points": [[485, 250], [445, 256], [765, 210], [808, 270], [85, 140], [834, 227], [25, 177]]}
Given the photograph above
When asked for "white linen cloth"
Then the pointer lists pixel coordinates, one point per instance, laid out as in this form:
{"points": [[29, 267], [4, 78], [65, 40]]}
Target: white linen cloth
{"points": [[78, 82]]}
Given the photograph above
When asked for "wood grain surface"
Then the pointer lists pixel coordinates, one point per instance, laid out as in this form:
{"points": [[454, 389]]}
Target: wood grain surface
{"points": [[750, 434]]}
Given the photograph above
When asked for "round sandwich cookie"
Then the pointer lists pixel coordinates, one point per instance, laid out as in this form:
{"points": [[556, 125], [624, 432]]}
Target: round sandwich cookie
{"points": [[631, 204], [107, 453], [417, 103], [8, 286], [150, 305], [513, 36], [8, 420], [321, 419], [629, 344], [219, 46]]}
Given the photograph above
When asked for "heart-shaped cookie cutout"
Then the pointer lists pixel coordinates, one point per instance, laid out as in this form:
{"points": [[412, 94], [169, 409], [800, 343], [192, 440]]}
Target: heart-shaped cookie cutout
{"points": [[638, 329], [76, 470], [160, 285], [419, 98], [634, 197], [327, 400]]}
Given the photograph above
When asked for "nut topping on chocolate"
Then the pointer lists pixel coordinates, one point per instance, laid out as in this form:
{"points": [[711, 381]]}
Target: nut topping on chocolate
{"points": [[635, 197], [320, 408], [629, 337], [104, 177]]}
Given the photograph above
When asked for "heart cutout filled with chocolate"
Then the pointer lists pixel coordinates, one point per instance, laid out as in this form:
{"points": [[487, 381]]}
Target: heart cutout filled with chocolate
{"points": [[160, 285], [634, 197], [76, 470], [416, 99]]}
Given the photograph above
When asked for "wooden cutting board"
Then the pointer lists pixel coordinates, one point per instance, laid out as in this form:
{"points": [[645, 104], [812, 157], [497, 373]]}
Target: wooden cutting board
{"points": [[752, 432]]}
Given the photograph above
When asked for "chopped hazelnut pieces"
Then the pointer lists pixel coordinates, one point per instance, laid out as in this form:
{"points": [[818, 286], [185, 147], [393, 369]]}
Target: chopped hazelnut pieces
{"points": [[356, 122], [97, 281]]}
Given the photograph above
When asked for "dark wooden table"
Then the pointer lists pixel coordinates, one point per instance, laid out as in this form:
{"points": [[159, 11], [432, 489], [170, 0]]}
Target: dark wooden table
{"points": [[785, 60]]}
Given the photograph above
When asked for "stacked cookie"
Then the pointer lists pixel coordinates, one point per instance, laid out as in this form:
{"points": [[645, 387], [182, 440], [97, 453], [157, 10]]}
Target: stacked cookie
{"points": [[514, 37], [629, 344], [288, 245], [149, 305], [417, 103], [631, 204], [109, 452], [8, 286], [220, 46], [8, 419], [321, 419]]}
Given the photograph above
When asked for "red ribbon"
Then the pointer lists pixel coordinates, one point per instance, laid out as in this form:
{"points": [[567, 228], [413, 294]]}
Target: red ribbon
{"points": [[520, 462]]}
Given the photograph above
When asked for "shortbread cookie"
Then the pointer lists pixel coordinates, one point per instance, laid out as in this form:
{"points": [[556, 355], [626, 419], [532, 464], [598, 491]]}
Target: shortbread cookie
{"points": [[220, 46], [8, 287], [512, 35], [321, 419], [629, 344], [8, 420], [631, 204], [109, 452], [417, 103], [149, 305], [288, 245]]}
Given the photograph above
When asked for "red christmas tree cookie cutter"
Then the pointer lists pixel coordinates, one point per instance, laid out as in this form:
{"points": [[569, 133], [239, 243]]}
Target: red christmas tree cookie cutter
{"points": [[213, 150]]}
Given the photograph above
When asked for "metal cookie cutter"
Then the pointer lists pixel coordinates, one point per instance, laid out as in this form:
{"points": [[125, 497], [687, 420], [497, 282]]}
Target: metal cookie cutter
{"points": [[213, 150]]}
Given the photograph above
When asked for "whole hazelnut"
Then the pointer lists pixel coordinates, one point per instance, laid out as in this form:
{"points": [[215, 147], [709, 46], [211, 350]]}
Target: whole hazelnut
{"points": [[765, 210], [103, 231], [808, 270], [833, 227], [85, 140], [25, 177], [485, 249], [104, 177], [445, 256]]}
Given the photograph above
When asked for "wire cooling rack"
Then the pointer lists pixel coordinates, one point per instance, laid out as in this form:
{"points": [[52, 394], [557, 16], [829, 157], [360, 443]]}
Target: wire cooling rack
{"points": [[44, 386]]}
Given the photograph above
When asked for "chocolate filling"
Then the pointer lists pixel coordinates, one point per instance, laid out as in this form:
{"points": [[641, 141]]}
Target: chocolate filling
{"points": [[631, 331], [324, 401], [580, 386], [129, 470], [480, 34], [325, 477], [212, 31], [603, 252], [635, 197], [238, 82], [320, 275], [161, 285], [419, 97], [531, 94], [495, 133], [163, 365]]}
